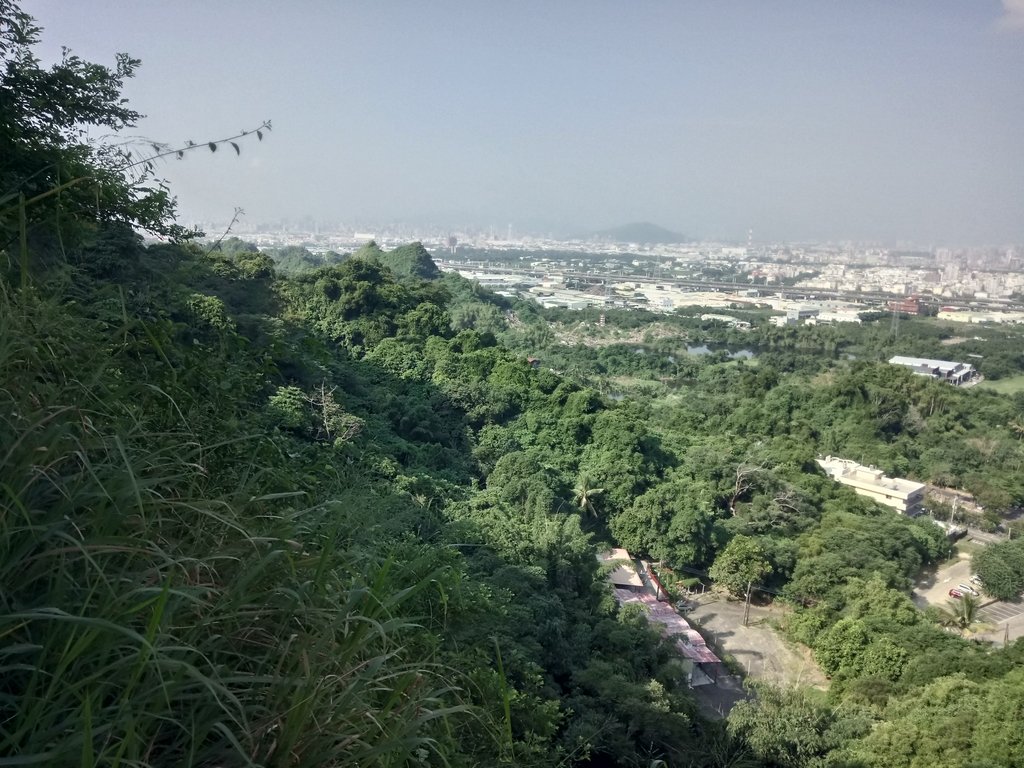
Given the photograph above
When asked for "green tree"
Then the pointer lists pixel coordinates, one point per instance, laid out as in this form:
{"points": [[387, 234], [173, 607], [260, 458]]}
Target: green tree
{"points": [[883, 659], [790, 728], [1001, 568], [423, 321], [56, 183], [522, 482], [43, 114], [674, 521], [740, 565], [841, 647], [953, 722], [288, 409]]}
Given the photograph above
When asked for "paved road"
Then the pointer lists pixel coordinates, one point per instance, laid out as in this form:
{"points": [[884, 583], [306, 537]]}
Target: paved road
{"points": [[985, 538]]}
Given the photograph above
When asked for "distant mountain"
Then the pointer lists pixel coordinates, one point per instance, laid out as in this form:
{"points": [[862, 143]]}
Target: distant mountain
{"points": [[640, 232]]}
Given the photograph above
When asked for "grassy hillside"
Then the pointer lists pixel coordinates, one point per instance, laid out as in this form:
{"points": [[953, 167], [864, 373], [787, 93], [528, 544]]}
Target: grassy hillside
{"points": [[327, 512]]}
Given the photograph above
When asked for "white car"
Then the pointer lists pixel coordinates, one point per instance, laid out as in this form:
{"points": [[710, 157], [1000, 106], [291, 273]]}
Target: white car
{"points": [[968, 589]]}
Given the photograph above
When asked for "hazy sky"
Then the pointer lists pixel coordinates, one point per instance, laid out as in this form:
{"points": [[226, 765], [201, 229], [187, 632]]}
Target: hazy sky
{"points": [[869, 119]]}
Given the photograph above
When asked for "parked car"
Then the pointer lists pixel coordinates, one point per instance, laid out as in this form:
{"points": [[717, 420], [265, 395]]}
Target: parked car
{"points": [[967, 588], [956, 593], [976, 579]]}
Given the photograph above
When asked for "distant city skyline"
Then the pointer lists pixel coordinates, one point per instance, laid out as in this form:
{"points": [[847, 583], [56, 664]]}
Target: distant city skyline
{"points": [[871, 121]]}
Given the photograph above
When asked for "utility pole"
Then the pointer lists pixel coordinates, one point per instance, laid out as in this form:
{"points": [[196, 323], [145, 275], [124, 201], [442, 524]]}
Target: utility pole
{"points": [[746, 608]]}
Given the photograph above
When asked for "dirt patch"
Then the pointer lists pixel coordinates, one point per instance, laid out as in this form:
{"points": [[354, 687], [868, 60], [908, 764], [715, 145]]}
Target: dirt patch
{"points": [[761, 653], [593, 335], [964, 501]]}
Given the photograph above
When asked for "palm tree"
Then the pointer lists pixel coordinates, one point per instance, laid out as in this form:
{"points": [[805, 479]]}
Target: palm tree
{"points": [[962, 613], [1017, 427], [584, 495]]}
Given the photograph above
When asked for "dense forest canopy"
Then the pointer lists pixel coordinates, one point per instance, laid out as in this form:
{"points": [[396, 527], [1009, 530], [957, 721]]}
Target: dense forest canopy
{"points": [[278, 509]]}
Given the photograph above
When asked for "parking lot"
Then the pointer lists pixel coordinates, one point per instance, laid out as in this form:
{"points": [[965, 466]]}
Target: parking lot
{"points": [[1001, 611], [933, 588], [998, 619]]}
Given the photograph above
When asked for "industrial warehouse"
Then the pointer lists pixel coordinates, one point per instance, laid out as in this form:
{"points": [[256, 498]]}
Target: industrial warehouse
{"points": [[957, 374]]}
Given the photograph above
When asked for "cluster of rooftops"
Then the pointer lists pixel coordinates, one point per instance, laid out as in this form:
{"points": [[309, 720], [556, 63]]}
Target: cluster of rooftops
{"points": [[631, 586]]}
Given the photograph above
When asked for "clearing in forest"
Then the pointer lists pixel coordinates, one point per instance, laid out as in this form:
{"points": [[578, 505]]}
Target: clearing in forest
{"points": [[759, 650]]}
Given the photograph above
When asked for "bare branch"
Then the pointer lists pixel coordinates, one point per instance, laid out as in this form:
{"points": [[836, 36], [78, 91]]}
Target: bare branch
{"points": [[164, 151], [744, 480], [234, 220]]}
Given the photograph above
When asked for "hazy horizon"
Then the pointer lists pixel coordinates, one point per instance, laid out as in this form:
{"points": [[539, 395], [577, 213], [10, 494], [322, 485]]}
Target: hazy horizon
{"points": [[874, 121]]}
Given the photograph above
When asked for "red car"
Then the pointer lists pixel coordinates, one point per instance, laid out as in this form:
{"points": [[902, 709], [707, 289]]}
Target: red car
{"points": [[956, 593]]}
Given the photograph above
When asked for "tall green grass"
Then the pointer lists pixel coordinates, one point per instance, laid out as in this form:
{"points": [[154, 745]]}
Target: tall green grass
{"points": [[150, 617]]}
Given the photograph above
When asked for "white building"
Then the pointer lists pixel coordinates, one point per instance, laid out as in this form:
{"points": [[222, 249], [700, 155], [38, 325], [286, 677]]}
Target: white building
{"points": [[946, 370], [903, 495], [835, 316], [796, 314]]}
